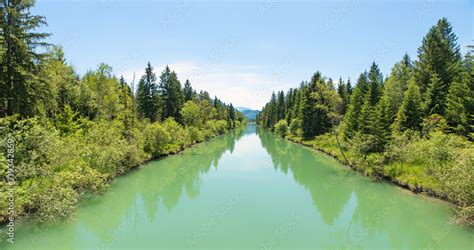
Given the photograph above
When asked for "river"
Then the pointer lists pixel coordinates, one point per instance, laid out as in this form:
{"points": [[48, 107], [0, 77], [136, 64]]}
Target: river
{"points": [[249, 190]]}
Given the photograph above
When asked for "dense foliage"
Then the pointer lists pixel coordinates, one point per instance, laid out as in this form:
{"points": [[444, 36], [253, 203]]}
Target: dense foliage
{"points": [[415, 127], [72, 134]]}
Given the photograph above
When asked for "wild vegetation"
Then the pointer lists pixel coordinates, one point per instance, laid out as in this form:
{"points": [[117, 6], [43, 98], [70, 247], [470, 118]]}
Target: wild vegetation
{"points": [[65, 136], [415, 127]]}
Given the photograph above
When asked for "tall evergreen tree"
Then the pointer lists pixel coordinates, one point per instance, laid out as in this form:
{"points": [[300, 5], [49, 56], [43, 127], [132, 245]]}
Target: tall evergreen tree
{"points": [[375, 79], [410, 114], [188, 91], [435, 100], [308, 125], [460, 100], [20, 89], [406, 61], [232, 116], [351, 119], [172, 94], [280, 106], [148, 98], [439, 54]]}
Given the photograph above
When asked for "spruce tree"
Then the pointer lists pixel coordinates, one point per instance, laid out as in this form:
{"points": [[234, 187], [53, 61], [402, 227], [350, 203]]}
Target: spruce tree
{"points": [[20, 89], [460, 100], [410, 114], [148, 98], [307, 114], [351, 119], [375, 79], [439, 54], [171, 94], [280, 106], [436, 96], [188, 91]]}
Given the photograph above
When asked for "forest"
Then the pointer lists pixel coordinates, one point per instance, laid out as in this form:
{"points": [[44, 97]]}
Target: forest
{"points": [[414, 127], [66, 136]]}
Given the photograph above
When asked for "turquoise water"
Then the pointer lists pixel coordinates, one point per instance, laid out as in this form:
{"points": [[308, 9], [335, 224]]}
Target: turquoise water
{"points": [[249, 190]]}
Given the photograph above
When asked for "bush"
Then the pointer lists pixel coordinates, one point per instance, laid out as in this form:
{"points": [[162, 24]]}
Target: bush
{"points": [[195, 135], [55, 202], [295, 127], [449, 158], [157, 140], [179, 138], [191, 114], [281, 128]]}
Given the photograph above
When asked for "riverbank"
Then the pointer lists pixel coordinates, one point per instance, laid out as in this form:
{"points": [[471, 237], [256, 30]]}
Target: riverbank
{"points": [[413, 176], [56, 171]]}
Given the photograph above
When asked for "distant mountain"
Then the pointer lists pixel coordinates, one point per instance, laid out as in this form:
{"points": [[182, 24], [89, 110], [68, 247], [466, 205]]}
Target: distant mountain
{"points": [[250, 114]]}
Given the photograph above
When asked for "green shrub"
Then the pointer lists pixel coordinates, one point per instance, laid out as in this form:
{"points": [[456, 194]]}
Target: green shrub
{"points": [[195, 135], [295, 127], [157, 140], [54, 202], [281, 128]]}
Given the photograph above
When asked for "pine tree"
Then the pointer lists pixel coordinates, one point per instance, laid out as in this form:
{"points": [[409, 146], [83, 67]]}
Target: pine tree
{"points": [[406, 61], [280, 106], [460, 100], [351, 119], [188, 91], [308, 114], [435, 96], [383, 122], [20, 89], [409, 115], [148, 99], [439, 54], [171, 94], [375, 79], [231, 117]]}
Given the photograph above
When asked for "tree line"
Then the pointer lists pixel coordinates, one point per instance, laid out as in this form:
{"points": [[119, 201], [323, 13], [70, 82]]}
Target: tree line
{"points": [[425, 102], [436, 88], [73, 133]]}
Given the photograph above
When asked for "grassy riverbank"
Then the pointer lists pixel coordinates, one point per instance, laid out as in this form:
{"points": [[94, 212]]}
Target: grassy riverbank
{"points": [[439, 166]]}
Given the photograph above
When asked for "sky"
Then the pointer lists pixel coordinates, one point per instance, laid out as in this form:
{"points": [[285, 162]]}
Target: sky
{"points": [[241, 51]]}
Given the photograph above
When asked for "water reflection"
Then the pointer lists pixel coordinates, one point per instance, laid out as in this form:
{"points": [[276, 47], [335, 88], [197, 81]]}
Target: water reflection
{"points": [[169, 201], [154, 186], [364, 213]]}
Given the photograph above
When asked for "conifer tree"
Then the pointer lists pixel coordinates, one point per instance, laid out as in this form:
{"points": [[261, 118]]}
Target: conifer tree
{"points": [[435, 96], [375, 79], [171, 94], [439, 54], [188, 91], [410, 114], [351, 119], [308, 116], [280, 106], [148, 98], [460, 100], [20, 89]]}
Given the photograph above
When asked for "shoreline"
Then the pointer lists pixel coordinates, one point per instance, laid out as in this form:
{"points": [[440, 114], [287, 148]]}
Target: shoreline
{"points": [[5, 220], [413, 189]]}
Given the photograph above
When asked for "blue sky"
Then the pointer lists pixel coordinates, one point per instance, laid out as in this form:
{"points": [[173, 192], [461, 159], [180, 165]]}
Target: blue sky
{"points": [[241, 50]]}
